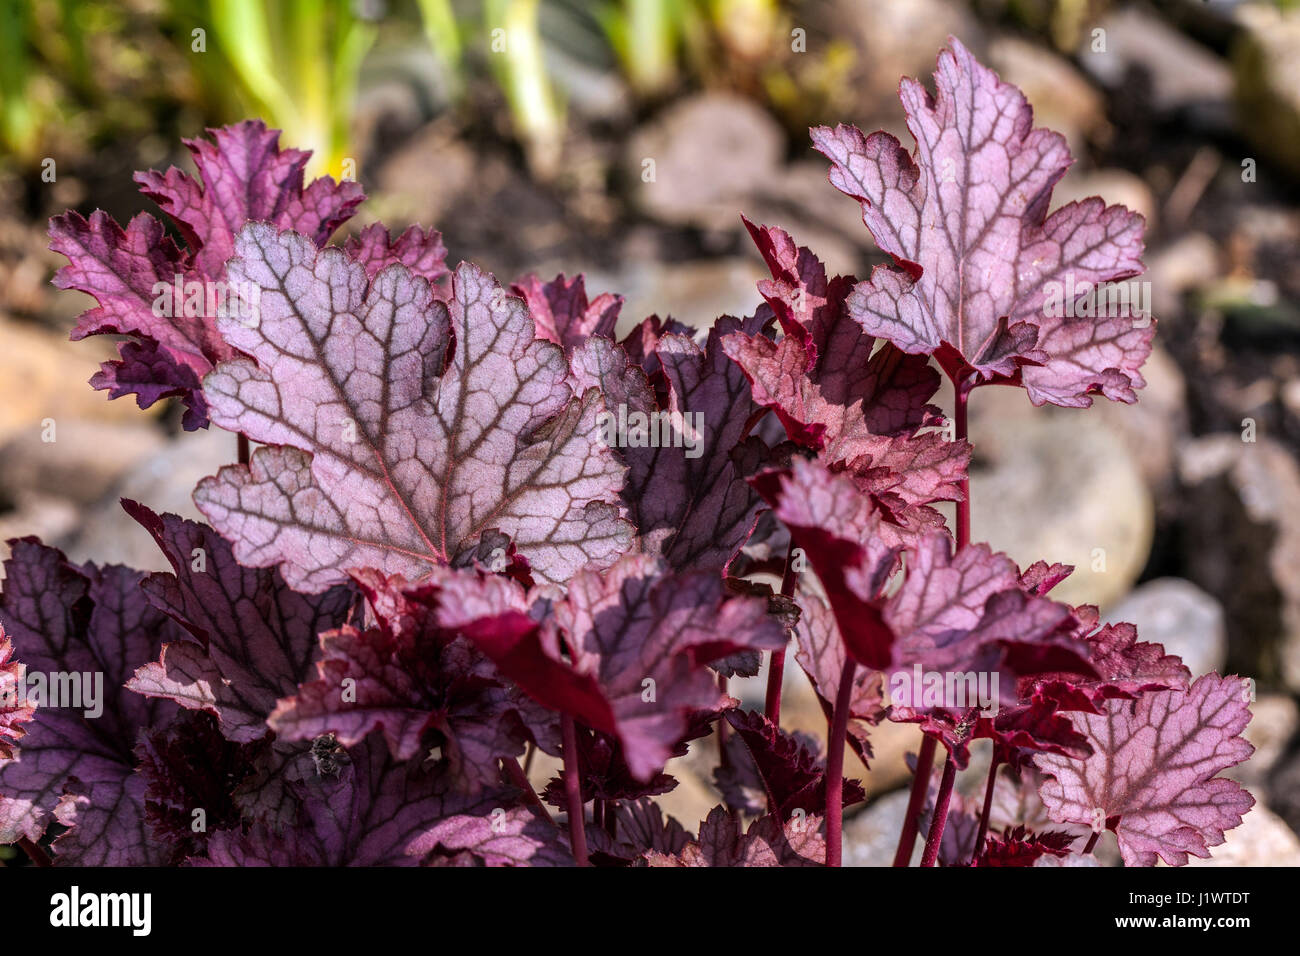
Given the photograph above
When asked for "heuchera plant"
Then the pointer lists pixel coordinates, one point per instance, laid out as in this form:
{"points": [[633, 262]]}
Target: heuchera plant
{"points": [[475, 525]]}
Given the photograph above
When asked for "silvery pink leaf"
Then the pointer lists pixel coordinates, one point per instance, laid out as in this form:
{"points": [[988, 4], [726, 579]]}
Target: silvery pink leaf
{"points": [[831, 378], [400, 429], [687, 455], [647, 637], [1124, 668], [1153, 777], [837, 530], [858, 406], [84, 629], [251, 639], [821, 654], [172, 337], [965, 220], [246, 177], [562, 312]]}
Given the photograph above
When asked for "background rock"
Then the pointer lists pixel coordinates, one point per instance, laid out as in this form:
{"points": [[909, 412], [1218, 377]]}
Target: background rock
{"points": [[1059, 486], [1267, 75], [1243, 546]]}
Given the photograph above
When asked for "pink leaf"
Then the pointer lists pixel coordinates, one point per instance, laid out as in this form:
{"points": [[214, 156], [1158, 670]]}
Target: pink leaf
{"points": [[965, 219], [401, 430], [1153, 776], [15, 708]]}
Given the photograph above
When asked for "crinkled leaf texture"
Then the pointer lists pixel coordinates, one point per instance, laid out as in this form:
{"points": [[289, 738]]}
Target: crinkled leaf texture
{"points": [[625, 651], [966, 221], [250, 638], [821, 653], [687, 450], [1153, 776], [792, 775], [562, 312], [520, 836], [424, 686], [400, 430], [245, 177], [858, 406], [15, 708], [75, 764], [353, 807], [767, 842]]}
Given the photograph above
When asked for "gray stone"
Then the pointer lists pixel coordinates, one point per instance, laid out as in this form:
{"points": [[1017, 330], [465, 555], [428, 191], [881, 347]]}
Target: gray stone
{"points": [[1059, 486], [1263, 839], [1183, 74], [870, 837], [1242, 509], [164, 482], [1182, 617], [709, 153], [81, 464]]}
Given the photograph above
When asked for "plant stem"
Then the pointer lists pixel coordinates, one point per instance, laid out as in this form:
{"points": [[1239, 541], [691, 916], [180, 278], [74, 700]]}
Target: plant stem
{"points": [[835, 764], [961, 397], [925, 759], [920, 787], [984, 814], [573, 791], [33, 850], [243, 448], [940, 812], [776, 660], [519, 778], [1092, 842]]}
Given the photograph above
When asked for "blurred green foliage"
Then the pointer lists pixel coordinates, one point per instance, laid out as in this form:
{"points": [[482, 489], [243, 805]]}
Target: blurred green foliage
{"points": [[77, 73]]}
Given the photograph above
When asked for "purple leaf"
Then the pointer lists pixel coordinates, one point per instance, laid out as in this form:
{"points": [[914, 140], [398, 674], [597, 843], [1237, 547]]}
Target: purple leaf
{"points": [[687, 455], [563, 314], [353, 807], [251, 639], [422, 685], [86, 629], [767, 842], [420, 250], [793, 776], [400, 433]]}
